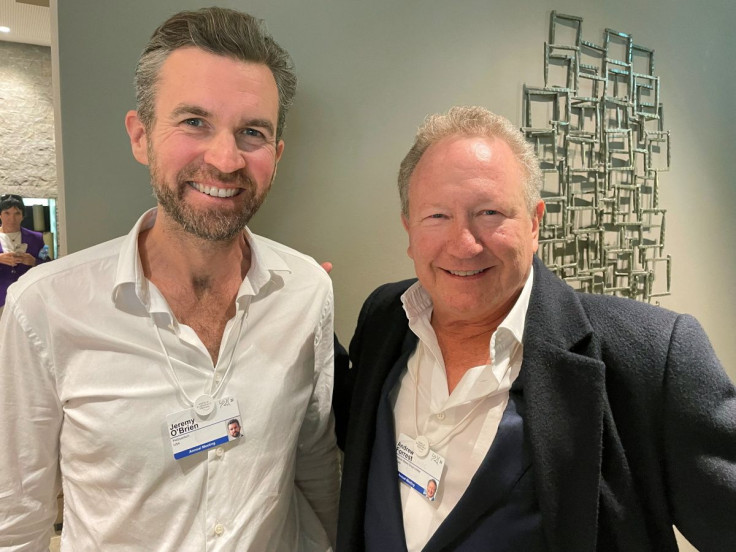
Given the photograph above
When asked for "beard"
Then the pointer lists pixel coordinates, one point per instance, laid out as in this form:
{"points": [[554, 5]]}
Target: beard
{"points": [[213, 224]]}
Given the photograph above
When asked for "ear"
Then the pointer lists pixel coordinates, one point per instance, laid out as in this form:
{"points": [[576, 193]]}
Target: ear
{"points": [[138, 137], [536, 222], [405, 224], [277, 156], [279, 150]]}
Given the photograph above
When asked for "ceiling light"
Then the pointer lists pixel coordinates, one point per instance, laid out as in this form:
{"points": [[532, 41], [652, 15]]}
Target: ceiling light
{"points": [[4, 29]]}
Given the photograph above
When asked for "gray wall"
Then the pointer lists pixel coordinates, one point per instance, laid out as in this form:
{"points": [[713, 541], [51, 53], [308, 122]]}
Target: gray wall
{"points": [[27, 161], [369, 73]]}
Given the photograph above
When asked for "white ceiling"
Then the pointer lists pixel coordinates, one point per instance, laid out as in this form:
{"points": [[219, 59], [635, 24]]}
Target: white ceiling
{"points": [[30, 24]]}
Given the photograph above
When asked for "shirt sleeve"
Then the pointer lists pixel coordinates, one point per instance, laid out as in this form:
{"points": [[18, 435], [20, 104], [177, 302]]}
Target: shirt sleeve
{"points": [[700, 439], [29, 436], [317, 469]]}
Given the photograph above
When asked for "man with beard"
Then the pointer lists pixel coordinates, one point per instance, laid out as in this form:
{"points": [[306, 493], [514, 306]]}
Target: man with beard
{"points": [[233, 429], [121, 365]]}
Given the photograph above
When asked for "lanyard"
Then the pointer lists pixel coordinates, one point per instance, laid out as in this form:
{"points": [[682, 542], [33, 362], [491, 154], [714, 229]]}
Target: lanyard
{"points": [[423, 444], [204, 404]]}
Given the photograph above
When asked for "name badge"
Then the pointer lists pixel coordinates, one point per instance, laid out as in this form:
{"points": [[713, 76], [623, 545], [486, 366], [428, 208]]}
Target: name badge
{"points": [[191, 433], [423, 474]]}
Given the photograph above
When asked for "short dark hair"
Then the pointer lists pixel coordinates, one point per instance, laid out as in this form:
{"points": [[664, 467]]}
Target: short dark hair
{"points": [[219, 31], [8, 201], [233, 421]]}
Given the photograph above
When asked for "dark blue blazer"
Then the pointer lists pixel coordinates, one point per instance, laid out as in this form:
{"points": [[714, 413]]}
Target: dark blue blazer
{"points": [[8, 274], [630, 420]]}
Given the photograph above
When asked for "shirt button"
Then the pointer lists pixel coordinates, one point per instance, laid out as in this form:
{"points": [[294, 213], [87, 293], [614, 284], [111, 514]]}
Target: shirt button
{"points": [[219, 529], [440, 415], [219, 452]]}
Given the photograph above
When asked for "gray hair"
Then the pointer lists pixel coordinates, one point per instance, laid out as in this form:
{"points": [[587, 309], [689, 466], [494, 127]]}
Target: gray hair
{"points": [[472, 121], [218, 31]]}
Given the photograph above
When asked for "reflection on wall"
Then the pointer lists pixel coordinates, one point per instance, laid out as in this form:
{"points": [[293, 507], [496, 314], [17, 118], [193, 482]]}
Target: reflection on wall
{"points": [[598, 128], [28, 160], [40, 216]]}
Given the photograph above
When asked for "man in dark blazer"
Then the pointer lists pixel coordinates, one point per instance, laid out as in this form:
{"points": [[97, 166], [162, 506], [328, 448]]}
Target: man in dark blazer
{"points": [[618, 420]]}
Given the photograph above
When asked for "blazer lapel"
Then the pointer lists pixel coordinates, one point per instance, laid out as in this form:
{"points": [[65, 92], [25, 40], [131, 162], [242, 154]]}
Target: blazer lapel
{"points": [[564, 388], [497, 475]]}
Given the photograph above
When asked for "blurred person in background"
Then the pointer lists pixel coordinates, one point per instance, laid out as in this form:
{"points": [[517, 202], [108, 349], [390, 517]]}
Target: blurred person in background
{"points": [[20, 249]]}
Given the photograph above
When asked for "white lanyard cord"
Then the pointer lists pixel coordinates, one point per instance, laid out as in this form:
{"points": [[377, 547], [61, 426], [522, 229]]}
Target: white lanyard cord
{"points": [[214, 373]]}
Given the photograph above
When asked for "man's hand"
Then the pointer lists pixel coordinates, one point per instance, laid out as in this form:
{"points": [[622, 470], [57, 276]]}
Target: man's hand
{"points": [[327, 265]]}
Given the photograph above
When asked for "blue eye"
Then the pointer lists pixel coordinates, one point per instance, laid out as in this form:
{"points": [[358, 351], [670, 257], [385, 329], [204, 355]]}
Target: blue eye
{"points": [[193, 122], [253, 132], [250, 138], [489, 212]]}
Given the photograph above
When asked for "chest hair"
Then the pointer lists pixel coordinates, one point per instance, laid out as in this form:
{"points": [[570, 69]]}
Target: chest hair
{"points": [[207, 312]]}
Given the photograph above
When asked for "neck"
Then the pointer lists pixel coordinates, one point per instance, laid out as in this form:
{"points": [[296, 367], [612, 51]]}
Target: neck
{"points": [[464, 344], [198, 278], [464, 329], [173, 255]]}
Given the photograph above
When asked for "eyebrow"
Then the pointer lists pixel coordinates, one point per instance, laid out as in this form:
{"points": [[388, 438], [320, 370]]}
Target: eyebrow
{"points": [[186, 109]]}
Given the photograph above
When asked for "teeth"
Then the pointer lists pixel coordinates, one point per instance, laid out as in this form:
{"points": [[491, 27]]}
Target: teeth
{"points": [[465, 272], [214, 191]]}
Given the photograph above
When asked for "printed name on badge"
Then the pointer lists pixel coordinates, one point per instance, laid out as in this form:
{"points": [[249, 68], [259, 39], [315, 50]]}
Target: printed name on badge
{"points": [[190, 433], [421, 473]]}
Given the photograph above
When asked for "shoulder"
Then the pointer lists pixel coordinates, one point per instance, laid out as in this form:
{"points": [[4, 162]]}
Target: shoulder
{"points": [[640, 342], [74, 267], [654, 333], [383, 307], [31, 234], [627, 317], [392, 290], [278, 257], [388, 296], [554, 303]]}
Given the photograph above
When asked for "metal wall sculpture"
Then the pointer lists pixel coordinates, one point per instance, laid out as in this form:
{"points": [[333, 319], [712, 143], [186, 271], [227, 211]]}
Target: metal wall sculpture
{"points": [[598, 129]]}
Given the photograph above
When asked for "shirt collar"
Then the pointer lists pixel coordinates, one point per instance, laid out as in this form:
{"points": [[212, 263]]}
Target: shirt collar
{"points": [[514, 321], [503, 343], [418, 304], [131, 287]]}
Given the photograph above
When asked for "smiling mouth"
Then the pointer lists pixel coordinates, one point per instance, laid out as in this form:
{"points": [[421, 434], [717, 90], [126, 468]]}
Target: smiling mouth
{"points": [[214, 191], [466, 272]]}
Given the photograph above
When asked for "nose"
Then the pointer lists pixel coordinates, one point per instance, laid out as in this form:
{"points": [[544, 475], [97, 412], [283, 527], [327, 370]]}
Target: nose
{"points": [[463, 242], [223, 153]]}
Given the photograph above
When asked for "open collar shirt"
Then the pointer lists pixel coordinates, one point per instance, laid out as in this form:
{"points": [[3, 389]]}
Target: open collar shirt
{"points": [[86, 390], [461, 425]]}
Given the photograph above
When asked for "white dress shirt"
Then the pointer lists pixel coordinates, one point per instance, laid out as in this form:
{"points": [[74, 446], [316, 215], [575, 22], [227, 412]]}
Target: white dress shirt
{"points": [[10, 240], [85, 387], [460, 426]]}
